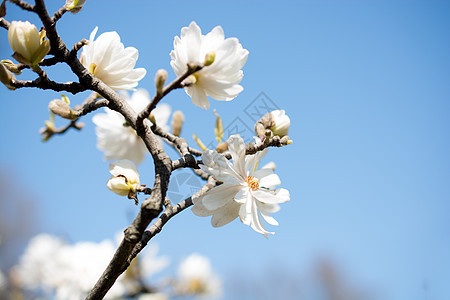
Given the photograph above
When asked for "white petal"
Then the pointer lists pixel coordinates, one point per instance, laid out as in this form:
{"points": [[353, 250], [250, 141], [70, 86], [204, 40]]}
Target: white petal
{"points": [[226, 214], [219, 196], [279, 196], [236, 146], [199, 97]]}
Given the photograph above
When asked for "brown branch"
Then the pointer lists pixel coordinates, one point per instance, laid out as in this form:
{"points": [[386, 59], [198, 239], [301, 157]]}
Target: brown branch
{"points": [[48, 132], [71, 87], [59, 13], [145, 113], [3, 23], [168, 213], [23, 5]]}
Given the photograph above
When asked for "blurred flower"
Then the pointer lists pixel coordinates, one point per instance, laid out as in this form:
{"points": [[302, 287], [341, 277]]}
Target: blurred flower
{"points": [[74, 6], [37, 266], [281, 123], [221, 79], [125, 178], [66, 272], [245, 191], [29, 45], [155, 296], [110, 62], [150, 263], [116, 138], [195, 276]]}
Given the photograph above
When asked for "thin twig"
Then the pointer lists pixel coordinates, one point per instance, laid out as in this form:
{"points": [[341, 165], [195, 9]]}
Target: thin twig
{"points": [[23, 5], [59, 13], [145, 113], [168, 213], [3, 23]]}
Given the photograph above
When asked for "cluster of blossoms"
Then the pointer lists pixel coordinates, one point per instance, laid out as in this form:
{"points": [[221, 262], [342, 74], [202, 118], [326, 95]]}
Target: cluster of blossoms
{"points": [[207, 66], [66, 272]]}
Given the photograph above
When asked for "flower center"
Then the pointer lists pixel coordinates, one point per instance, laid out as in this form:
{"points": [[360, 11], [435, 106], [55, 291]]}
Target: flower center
{"points": [[252, 182]]}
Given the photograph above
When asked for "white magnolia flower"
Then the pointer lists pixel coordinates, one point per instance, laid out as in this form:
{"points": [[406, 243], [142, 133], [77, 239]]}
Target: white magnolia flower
{"points": [[281, 122], [74, 6], [154, 296], [125, 177], [245, 192], [36, 265], [195, 276], [221, 79], [29, 45], [111, 62], [118, 140], [63, 271], [81, 265]]}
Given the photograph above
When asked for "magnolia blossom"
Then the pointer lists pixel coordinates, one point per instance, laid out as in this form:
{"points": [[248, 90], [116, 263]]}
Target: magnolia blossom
{"points": [[154, 296], [195, 276], [221, 79], [111, 62], [281, 123], [245, 191], [67, 272], [29, 45], [125, 178], [117, 139]]}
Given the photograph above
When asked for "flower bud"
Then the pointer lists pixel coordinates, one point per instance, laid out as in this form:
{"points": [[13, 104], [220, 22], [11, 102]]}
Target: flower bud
{"points": [[61, 108], [74, 6], [209, 58], [160, 79], [199, 142], [6, 77], [11, 66], [177, 122], [280, 123], [218, 128], [29, 45], [125, 178]]}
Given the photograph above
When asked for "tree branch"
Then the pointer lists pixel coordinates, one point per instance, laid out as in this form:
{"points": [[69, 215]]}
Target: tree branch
{"points": [[3, 23], [168, 213], [23, 5], [145, 113]]}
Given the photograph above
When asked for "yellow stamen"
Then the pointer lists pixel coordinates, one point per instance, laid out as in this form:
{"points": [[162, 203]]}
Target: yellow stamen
{"points": [[252, 182]]}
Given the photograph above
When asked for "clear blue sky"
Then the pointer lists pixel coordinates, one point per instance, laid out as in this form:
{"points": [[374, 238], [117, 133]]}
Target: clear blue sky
{"points": [[366, 84]]}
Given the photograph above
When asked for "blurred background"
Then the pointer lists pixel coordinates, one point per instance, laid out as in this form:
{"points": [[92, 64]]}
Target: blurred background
{"points": [[366, 85]]}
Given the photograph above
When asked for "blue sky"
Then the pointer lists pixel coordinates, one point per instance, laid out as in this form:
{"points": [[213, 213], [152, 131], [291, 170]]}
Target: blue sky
{"points": [[366, 85]]}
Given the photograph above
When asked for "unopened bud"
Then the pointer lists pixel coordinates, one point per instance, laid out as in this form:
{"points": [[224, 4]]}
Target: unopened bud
{"points": [[209, 58], [74, 6], [281, 123], [11, 66], [218, 128], [221, 148], [199, 142], [29, 45], [177, 122], [6, 77], [160, 79], [61, 108]]}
